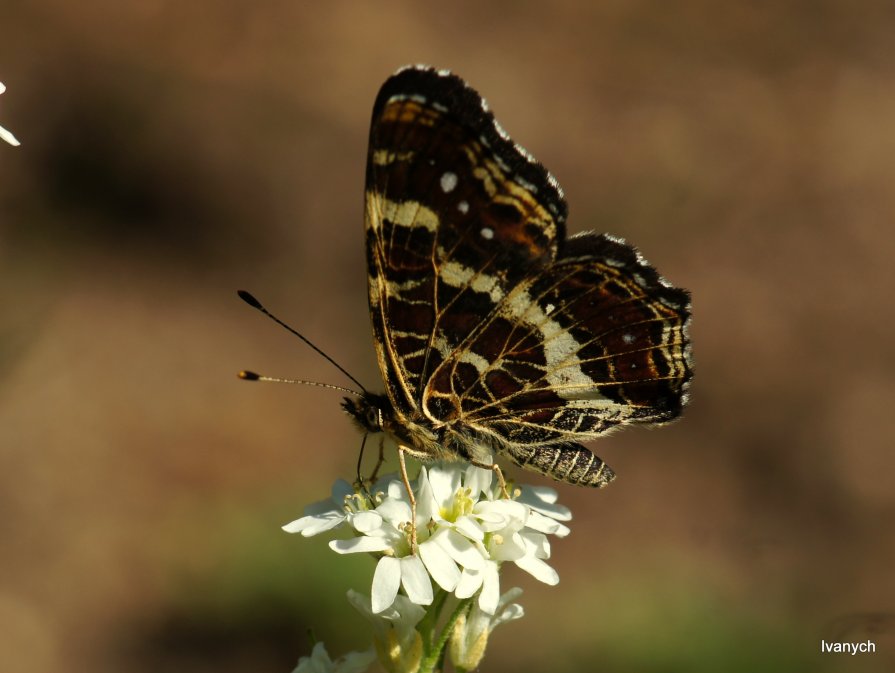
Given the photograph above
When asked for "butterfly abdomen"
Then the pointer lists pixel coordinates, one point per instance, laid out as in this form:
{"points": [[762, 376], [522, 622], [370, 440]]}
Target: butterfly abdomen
{"points": [[570, 463]]}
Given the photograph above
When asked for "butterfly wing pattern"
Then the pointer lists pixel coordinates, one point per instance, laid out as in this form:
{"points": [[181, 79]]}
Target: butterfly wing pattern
{"points": [[494, 332]]}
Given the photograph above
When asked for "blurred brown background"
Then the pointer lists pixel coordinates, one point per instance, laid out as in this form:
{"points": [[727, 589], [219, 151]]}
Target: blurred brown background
{"points": [[174, 152]]}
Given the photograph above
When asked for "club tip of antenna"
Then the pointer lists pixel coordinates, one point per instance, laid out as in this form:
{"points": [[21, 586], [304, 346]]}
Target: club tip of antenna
{"points": [[249, 376], [249, 299]]}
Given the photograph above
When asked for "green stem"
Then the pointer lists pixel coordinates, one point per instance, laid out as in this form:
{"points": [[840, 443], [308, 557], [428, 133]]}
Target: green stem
{"points": [[427, 626], [435, 654]]}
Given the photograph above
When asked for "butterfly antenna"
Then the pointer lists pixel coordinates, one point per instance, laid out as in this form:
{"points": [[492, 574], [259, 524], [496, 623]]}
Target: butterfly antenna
{"points": [[251, 376], [246, 375]]}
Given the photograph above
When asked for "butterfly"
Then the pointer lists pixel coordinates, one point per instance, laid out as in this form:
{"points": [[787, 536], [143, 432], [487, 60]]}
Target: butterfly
{"points": [[495, 333]]}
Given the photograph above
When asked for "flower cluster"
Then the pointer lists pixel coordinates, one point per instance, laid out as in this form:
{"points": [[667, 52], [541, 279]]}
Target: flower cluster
{"points": [[465, 531]]}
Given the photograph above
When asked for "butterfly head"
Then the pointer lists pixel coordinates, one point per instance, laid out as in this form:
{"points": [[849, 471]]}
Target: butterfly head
{"points": [[369, 411]]}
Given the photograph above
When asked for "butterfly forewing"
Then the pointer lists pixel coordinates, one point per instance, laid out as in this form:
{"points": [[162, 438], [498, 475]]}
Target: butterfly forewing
{"points": [[492, 330]]}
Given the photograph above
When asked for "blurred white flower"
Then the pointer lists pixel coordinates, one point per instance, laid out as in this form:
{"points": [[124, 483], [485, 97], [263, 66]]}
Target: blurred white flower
{"points": [[465, 531], [328, 514], [398, 644], [4, 134], [319, 662]]}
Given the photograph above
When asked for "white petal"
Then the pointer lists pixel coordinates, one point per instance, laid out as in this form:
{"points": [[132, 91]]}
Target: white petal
{"points": [[539, 570], [386, 581], [426, 506], [470, 528], [445, 481], [394, 511], [318, 662], [536, 544], [478, 480], [470, 581], [361, 603], [464, 552], [439, 564], [510, 548], [490, 596], [508, 597], [366, 522], [508, 614], [497, 514], [313, 525], [415, 580], [359, 544], [397, 490], [404, 615], [543, 500], [9, 137], [488, 518], [543, 494], [539, 522]]}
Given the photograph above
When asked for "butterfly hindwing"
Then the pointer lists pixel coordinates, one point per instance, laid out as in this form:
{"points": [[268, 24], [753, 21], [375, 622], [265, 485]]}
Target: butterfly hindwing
{"points": [[596, 339]]}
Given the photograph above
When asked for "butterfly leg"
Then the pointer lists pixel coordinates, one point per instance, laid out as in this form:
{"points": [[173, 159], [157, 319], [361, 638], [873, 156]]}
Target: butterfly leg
{"points": [[380, 461], [494, 467], [360, 483], [501, 480], [401, 451]]}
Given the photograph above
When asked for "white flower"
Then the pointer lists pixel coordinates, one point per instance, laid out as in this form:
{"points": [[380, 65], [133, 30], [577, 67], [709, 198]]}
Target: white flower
{"points": [[329, 514], [504, 530], [386, 531], [470, 634], [4, 134], [319, 662], [465, 531]]}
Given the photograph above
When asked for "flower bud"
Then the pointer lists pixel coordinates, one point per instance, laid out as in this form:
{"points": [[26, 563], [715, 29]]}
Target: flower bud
{"points": [[399, 654]]}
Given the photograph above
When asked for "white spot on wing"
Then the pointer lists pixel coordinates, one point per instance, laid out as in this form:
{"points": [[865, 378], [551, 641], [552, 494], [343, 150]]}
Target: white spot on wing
{"points": [[628, 338], [448, 182], [463, 207], [487, 233]]}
